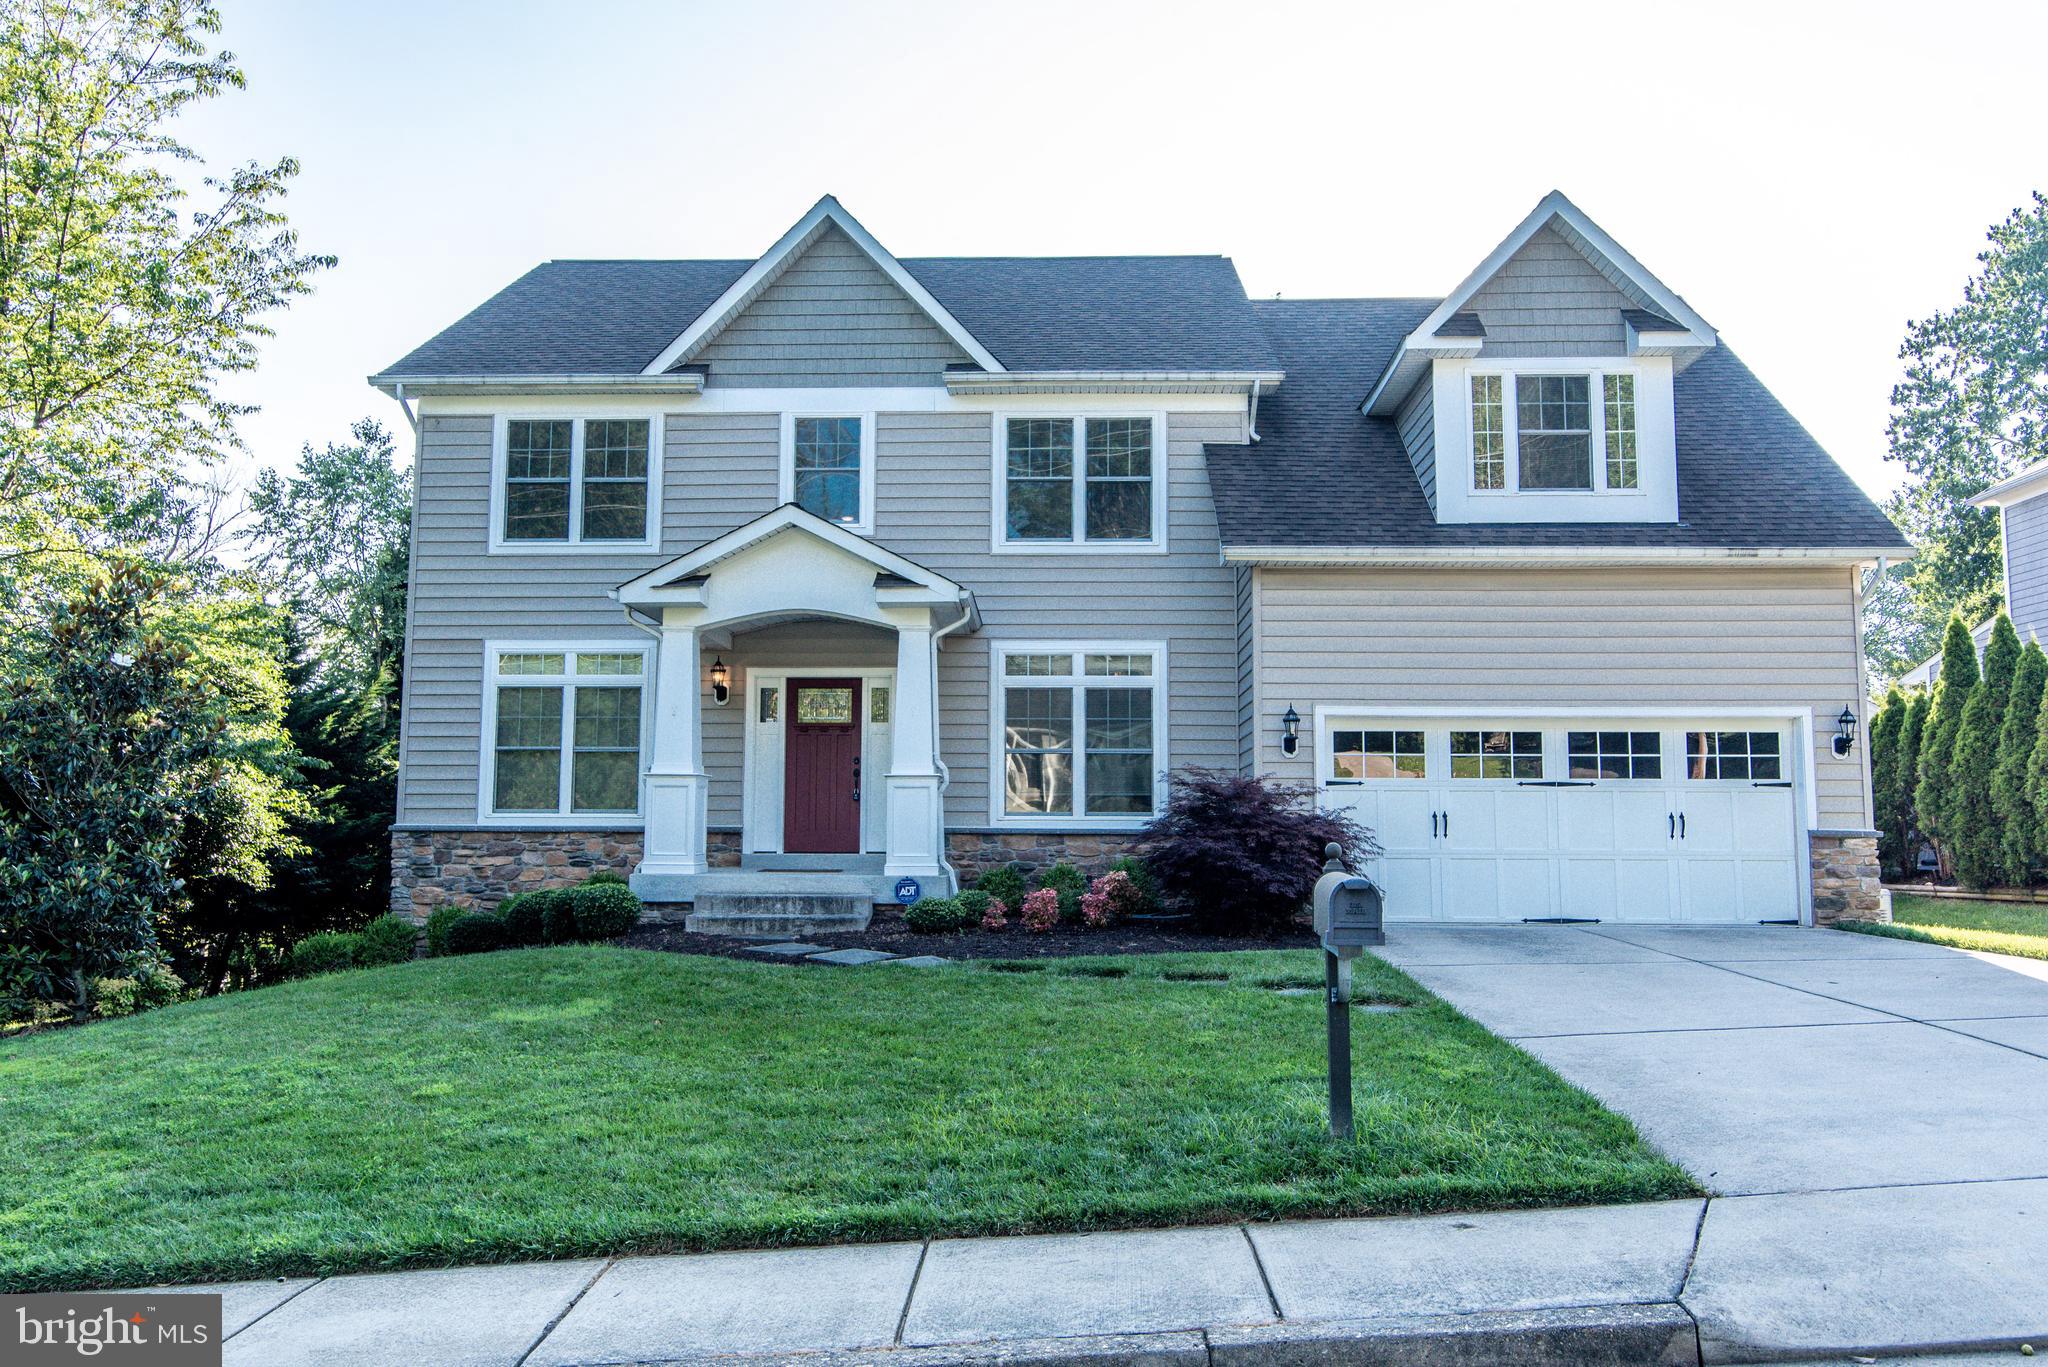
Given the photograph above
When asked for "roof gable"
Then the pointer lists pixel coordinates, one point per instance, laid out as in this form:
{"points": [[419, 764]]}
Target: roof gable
{"points": [[826, 215]]}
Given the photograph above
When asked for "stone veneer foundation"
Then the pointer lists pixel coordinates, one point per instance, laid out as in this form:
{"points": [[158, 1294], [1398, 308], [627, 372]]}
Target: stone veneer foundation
{"points": [[971, 853], [1846, 877], [431, 869]]}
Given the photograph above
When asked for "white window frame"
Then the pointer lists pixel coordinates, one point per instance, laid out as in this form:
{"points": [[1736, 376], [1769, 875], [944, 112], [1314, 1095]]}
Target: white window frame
{"points": [[786, 463], [1078, 544], [562, 818], [1593, 372], [575, 545], [1077, 682]]}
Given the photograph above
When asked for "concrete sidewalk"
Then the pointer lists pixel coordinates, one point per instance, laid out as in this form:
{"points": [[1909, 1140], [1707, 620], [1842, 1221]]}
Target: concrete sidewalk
{"points": [[1614, 1284]]}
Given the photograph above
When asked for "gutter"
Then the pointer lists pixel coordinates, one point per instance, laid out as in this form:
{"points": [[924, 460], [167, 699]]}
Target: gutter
{"points": [[1112, 382], [1563, 555], [684, 382]]}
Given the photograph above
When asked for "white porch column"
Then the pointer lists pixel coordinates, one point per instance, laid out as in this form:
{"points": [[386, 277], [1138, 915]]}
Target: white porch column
{"points": [[915, 825], [675, 779]]}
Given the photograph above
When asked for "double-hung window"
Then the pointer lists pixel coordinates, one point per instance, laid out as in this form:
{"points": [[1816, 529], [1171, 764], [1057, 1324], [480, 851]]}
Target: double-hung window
{"points": [[828, 467], [575, 482], [1079, 731], [562, 730], [1553, 433], [1088, 482]]}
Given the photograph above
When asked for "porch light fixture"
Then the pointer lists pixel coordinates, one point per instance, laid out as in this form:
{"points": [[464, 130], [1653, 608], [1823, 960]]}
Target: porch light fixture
{"points": [[721, 682], [1845, 732], [1290, 731]]}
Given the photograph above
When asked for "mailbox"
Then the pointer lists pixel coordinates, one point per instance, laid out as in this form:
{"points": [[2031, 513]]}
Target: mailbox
{"points": [[1348, 911]]}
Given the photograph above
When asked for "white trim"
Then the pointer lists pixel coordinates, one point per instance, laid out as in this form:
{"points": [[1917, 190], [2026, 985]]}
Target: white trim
{"points": [[931, 398], [1235, 382], [785, 473], [764, 272], [999, 465], [577, 417], [2028, 483], [487, 749], [1590, 240], [1077, 821], [424, 386], [1424, 556], [654, 587]]}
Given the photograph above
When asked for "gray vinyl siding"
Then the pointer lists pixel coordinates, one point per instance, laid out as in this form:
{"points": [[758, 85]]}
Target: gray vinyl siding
{"points": [[831, 318], [1548, 300], [2026, 565], [1416, 421], [933, 504], [1525, 638]]}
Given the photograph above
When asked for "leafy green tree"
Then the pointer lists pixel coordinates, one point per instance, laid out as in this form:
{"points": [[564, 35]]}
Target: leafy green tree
{"points": [[122, 304], [2011, 802], [109, 742], [1972, 409], [1971, 823], [1932, 792], [1886, 731]]}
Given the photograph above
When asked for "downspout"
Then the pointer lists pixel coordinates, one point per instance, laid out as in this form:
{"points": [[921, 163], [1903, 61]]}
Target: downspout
{"points": [[411, 419], [945, 774], [1252, 417]]}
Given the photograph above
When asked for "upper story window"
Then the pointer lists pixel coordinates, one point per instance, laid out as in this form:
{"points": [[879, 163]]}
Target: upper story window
{"points": [[828, 467], [1547, 439], [565, 482], [1071, 482]]}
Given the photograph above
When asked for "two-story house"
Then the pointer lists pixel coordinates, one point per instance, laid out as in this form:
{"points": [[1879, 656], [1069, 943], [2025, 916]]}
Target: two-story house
{"points": [[828, 570], [2023, 534]]}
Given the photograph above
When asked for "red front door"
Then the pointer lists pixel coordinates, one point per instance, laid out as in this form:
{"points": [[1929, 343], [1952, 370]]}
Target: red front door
{"points": [[821, 768]]}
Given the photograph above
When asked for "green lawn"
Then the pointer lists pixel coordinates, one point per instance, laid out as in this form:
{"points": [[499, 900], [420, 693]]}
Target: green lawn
{"points": [[1999, 927], [556, 1102]]}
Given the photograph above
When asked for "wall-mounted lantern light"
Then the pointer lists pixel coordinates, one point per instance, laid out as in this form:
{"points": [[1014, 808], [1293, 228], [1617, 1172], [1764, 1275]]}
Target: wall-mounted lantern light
{"points": [[1845, 732], [721, 682], [1290, 732]]}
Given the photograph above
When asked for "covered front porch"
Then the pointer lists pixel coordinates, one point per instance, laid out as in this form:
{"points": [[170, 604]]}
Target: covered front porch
{"points": [[795, 702]]}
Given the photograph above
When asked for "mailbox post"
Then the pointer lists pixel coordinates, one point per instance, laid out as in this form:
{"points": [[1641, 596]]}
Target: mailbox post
{"points": [[1348, 918]]}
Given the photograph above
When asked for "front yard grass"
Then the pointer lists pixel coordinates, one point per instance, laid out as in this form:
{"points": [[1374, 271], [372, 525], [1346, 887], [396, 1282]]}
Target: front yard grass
{"points": [[558, 1102], [1997, 927]]}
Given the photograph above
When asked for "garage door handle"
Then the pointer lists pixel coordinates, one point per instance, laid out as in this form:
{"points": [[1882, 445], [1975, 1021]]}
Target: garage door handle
{"points": [[1432, 824], [1681, 825], [1447, 825], [1670, 826]]}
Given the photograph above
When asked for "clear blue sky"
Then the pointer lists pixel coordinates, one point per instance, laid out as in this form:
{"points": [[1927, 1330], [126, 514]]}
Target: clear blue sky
{"points": [[1808, 176]]}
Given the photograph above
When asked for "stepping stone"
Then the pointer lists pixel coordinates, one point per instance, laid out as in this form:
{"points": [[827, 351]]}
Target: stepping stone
{"points": [[851, 956], [789, 950], [921, 961], [1298, 991]]}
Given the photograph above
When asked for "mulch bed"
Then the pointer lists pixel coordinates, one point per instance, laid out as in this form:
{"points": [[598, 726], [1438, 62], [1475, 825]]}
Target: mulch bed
{"points": [[888, 934]]}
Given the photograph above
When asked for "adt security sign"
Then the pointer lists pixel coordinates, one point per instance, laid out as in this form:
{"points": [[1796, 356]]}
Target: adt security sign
{"points": [[908, 890]]}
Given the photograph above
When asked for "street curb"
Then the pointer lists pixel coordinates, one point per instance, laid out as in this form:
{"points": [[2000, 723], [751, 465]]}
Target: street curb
{"points": [[1595, 1336]]}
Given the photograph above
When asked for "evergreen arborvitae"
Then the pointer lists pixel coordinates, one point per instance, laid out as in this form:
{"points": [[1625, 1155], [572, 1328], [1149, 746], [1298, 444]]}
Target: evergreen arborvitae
{"points": [[1885, 730], [1938, 739], [1907, 777], [1968, 819], [2012, 802]]}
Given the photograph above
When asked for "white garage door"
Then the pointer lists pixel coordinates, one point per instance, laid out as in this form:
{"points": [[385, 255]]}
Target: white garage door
{"points": [[1615, 820]]}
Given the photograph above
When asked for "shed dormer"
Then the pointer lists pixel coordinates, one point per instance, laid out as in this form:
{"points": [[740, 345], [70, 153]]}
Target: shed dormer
{"points": [[1540, 390]]}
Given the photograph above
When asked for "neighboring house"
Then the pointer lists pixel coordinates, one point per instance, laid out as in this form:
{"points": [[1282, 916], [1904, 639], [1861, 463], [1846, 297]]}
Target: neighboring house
{"points": [[2023, 527], [825, 571]]}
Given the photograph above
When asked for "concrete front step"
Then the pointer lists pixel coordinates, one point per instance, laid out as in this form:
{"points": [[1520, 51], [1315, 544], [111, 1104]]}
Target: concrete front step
{"points": [[782, 915], [821, 863]]}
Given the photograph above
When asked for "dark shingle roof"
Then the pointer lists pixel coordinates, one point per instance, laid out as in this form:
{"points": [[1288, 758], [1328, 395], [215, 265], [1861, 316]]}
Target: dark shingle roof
{"points": [[1749, 476], [1462, 325], [1033, 313], [1642, 320]]}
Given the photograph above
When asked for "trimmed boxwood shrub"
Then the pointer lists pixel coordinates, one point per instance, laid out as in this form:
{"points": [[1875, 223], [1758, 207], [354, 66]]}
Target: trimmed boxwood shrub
{"points": [[390, 939], [1069, 882], [603, 910], [933, 916], [974, 904], [327, 951], [521, 916], [438, 921], [1005, 883], [549, 909], [476, 932]]}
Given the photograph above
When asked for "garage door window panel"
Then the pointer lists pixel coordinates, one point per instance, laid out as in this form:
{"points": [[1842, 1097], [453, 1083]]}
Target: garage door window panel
{"points": [[1754, 756], [1620, 755], [1358, 755], [1497, 754]]}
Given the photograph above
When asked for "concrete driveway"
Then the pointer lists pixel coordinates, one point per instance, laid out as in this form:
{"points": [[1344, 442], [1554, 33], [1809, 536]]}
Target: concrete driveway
{"points": [[1874, 1111]]}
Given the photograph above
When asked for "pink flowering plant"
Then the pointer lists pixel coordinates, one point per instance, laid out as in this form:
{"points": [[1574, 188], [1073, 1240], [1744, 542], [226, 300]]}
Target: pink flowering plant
{"points": [[996, 916], [1041, 910], [1110, 899]]}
